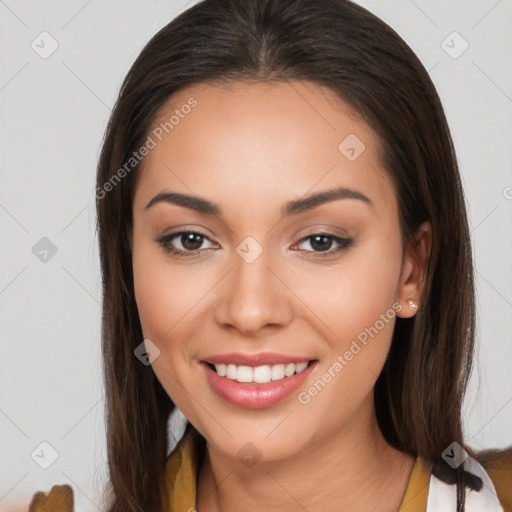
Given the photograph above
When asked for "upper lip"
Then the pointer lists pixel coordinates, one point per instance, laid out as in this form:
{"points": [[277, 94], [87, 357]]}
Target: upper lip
{"points": [[260, 359]]}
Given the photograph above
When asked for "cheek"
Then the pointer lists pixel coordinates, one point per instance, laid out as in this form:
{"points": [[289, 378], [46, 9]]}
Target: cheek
{"points": [[360, 316], [354, 297], [149, 294], [154, 289], [162, 310], [171, 300], [357, 307], [161, 294]]}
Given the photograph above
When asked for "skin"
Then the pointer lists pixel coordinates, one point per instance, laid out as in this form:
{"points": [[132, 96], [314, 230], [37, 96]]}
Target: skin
{"points": [[250, 148]]}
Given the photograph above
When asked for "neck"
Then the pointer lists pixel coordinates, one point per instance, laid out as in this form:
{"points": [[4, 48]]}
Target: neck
{"points": [[351, 470]]}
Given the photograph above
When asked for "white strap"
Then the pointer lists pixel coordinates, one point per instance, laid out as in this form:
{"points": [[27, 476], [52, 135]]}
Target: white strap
{"points": [[442, 497]]}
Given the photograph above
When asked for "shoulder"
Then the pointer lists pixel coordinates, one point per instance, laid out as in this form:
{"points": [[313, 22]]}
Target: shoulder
{"points": [[59, 499], [498, 465], [489, 477]]}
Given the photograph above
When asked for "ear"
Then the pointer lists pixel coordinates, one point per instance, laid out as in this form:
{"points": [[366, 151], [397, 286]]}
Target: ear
{"points": [[414, 268]]}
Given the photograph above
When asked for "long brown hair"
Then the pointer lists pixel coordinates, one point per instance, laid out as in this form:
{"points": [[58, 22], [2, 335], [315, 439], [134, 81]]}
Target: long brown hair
{"points": [[334, 43]]}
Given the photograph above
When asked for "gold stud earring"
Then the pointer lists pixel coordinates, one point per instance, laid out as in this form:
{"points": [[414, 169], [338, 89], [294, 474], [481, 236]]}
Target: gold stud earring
{"points": [[412, 304]]}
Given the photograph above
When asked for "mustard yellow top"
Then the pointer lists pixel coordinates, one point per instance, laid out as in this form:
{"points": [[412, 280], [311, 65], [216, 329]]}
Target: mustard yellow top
{"points": [[183, 465]]}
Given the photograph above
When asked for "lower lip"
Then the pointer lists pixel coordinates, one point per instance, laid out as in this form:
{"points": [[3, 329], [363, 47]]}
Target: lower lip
{"points": [[252, 395]]}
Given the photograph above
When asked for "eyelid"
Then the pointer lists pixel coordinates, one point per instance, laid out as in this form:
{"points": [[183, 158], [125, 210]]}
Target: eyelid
{"points": [[322, 228]]}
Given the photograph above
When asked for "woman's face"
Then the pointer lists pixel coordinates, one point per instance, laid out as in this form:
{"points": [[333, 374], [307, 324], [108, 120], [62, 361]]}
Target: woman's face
{"points": [[278, 275]]}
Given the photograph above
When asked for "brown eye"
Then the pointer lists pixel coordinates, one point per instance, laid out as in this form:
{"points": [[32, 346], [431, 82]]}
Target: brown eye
{"points": [[323, 242], [184, 243], [191, 241]]}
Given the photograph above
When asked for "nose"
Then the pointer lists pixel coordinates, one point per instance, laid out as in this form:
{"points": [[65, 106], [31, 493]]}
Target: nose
{"points": [[254, 297]]}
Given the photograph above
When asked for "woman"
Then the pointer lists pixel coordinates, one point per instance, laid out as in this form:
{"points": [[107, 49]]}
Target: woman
{"points": [[281, 222]]}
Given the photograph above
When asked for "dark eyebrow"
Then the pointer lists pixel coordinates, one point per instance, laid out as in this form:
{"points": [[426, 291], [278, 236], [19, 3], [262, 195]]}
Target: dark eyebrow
{"points": [[313, 200], [294, 207]]}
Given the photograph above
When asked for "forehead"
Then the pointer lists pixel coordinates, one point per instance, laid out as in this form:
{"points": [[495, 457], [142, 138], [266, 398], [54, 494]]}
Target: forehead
{"points": [[263, 141]]}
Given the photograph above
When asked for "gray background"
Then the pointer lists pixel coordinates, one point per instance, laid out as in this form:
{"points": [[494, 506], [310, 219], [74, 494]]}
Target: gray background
{"points": [[53, 113]]}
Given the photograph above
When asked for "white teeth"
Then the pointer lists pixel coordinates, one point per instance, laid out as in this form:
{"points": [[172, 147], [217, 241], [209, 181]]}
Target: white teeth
{"points": [[259, 374], [289, 369], [221, 369], [301, 367], [277, 372], [231, 371], [244, 374], [262, 374]]}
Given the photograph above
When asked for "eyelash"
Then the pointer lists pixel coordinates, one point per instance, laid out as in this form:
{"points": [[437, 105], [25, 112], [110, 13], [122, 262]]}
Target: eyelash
{"points": [[165, 241]]}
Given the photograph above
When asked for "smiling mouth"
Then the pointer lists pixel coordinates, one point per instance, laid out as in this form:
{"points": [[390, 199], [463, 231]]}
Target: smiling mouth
{"points": [[258, 374]]}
